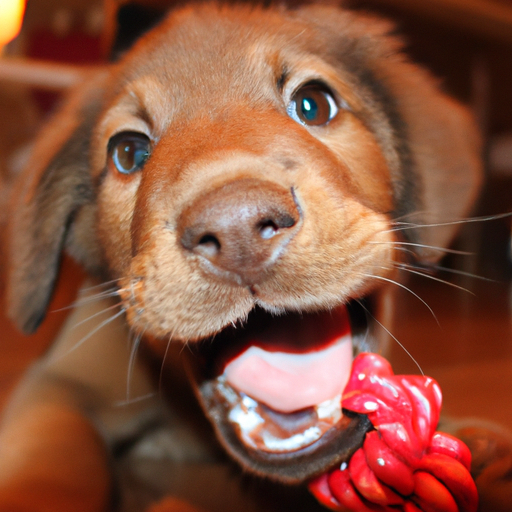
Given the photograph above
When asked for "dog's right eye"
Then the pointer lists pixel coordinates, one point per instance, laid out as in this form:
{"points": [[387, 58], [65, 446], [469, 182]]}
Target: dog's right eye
{"points": [[312, 105], [128, 151]]}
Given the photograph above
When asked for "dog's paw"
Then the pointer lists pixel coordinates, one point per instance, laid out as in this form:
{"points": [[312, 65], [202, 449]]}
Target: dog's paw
{"points": [[491, 450], [170, 504]]}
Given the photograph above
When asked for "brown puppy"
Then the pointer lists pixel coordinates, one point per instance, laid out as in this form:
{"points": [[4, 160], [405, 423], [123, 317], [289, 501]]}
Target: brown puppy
{"points": [[237, 164]]}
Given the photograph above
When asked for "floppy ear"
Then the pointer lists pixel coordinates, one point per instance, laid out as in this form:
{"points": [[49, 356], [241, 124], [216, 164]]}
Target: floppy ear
{"points": [[48, 196], [132, 20], [447, 155]]}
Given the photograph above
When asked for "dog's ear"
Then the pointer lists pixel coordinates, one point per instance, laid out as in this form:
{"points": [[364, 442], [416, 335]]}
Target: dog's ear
{"points": [[133, 19], [446, 152], [53, 189]]}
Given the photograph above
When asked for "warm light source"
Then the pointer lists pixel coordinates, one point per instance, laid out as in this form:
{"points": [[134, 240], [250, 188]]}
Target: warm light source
{"points": [[11, 16]]}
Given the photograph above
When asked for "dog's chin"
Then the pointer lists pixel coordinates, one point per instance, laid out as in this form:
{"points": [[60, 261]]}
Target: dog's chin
{"points": [[272, 389]]}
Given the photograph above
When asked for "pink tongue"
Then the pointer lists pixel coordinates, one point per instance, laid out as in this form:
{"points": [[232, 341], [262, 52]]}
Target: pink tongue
{"points": [[290, 381]]}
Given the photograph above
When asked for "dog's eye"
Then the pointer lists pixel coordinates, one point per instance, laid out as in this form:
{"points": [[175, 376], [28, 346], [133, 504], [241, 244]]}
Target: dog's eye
{"points": [[312, 105], [128, 151]]}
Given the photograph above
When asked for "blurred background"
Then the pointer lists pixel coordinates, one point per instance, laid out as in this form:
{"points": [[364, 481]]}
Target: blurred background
{"points": [[466, 43]]}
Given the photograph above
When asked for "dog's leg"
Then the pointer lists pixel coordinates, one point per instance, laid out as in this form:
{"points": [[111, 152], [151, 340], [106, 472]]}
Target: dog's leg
{"points": [[491, 465], [52, 460], [68, 410], [173, 505]]}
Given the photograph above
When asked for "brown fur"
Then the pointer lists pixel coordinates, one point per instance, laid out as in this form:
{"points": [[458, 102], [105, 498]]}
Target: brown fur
{"points": [[209, 87]]}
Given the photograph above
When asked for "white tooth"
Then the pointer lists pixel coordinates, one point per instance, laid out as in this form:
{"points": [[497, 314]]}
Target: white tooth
{"points": [[329, 408], [248, 402], [292, 443], [256, 429], [246, 419]]}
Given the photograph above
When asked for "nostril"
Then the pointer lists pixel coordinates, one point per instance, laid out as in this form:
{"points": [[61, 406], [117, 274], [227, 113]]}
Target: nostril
{"points": [[209, 240], [200, 242], [208, 246], [267, 228]]}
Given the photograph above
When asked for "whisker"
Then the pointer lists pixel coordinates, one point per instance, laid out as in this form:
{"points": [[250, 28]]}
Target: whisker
{"points": [[364, 342], [131, 362], [422, 246], [95, 287], [405, 288], [433, 278], [124, 403], [97, 314], [406, 251], [462, 273], [162, 366], [88, 300], [102, 295], [187, 344], [401, 345], [409, 215], [471, 220], [90, 334]]}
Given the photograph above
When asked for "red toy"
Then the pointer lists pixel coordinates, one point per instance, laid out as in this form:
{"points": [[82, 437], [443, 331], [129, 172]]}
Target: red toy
{"points": [[404, 464]]}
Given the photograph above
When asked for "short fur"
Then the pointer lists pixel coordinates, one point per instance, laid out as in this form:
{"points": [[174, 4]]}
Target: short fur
{"points": [[209, 87]]}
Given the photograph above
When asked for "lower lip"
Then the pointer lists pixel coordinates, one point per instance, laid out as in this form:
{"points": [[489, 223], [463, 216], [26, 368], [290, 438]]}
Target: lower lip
{"points": [[263, 429]]}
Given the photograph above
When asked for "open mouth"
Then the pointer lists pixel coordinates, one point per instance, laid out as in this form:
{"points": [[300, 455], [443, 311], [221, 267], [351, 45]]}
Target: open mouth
{"points": [[272, 388]]}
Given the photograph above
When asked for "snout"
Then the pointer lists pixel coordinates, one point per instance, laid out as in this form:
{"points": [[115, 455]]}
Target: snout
{"points": [[238, 230], [249, 218]]}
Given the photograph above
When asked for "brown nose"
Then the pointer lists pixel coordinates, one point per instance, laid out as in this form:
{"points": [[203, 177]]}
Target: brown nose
{"points": [[241, 227]]}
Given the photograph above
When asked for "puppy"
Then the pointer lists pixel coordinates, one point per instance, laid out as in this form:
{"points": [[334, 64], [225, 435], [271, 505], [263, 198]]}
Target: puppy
{"points": [[245, 181]]}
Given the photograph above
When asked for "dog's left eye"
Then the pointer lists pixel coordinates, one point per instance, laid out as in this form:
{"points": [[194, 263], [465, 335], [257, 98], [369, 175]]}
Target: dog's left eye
{"points": [[312, 105], [128, 151]]}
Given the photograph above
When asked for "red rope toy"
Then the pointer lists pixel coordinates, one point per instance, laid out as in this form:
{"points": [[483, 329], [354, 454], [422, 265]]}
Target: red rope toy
{"points": [[404, 464]]}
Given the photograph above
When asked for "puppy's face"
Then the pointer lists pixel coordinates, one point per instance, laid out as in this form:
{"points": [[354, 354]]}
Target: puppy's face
{"points": [[246, 169], [239, 175]]}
